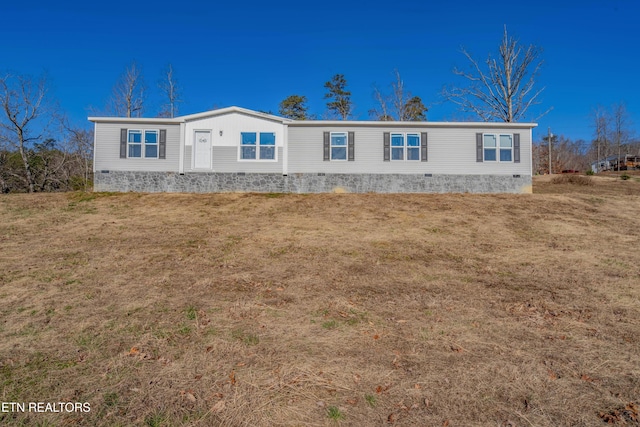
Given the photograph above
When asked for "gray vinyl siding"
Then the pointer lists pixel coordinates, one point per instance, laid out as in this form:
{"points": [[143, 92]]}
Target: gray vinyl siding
{"points": [[225, 159], [107, 149], [451, 150]]}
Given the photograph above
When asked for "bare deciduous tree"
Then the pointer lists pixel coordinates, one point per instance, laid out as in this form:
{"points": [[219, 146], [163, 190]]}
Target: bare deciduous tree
{"points": [[601, 127], [22, 99], [611, 135], [399, 105], [168, 85], [80, 142], [127, 98], [505, 89], [566, 155], [620, 122]]}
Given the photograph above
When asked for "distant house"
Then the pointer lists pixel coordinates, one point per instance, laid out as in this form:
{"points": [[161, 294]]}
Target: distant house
{"points": [[235, 149], [616, 163]]}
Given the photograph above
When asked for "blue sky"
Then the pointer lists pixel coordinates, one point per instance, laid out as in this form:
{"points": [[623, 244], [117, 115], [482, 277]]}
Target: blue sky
{"points": [[254, 54]]}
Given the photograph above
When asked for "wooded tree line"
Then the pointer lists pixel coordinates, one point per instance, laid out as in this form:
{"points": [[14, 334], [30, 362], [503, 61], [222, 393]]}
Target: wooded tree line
{"points": [[41, 151], [612, 136], [31, 158]]}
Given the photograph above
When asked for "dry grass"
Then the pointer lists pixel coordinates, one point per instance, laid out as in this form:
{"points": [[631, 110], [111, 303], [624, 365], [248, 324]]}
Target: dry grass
{"points": [[362, 310], [572, 179]]}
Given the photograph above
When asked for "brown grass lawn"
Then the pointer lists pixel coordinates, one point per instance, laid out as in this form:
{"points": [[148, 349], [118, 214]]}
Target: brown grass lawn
{"points": [[320, 310]]}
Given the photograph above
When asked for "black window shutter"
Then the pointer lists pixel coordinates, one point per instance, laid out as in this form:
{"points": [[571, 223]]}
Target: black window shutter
{"points": [[162, 149], [516, 148], [326, 147], [351, 150], [479, 147], [386, 146], [123, 143], [423, 147]]}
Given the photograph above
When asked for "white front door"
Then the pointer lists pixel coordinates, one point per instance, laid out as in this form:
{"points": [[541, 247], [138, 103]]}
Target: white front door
{"points": [[202, 149]]}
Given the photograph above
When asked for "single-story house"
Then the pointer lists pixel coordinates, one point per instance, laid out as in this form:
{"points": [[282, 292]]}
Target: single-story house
{"points": [[235, 149]]}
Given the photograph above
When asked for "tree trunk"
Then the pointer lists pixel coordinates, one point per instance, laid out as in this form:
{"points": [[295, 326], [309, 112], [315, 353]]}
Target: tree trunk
{"points": [[25, 162]]}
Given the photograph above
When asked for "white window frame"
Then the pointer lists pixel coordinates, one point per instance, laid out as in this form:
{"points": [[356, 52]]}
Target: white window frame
{"points": [[156, 144], [257, 146], [142, 144], [346, 146], [497, 148], [405, 146]]}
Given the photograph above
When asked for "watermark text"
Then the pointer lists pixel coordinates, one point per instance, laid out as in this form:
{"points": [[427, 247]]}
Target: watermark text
{"points": [[52, 407]]}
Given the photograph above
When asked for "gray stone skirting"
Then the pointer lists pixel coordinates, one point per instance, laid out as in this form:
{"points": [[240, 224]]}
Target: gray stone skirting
{"points": [[216, 182]]}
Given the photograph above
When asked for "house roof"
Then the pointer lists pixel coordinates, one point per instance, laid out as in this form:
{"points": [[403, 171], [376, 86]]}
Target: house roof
{"points": [[388, 124], [190, 117], [228, 110], [303, 123]]}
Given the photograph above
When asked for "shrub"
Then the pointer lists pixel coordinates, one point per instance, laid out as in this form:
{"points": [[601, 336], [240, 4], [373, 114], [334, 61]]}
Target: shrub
{"points": [[590, 172], [624, 177]]}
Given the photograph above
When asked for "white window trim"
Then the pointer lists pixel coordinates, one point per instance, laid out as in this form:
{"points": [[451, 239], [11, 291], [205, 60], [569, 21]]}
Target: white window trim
{"points": [[258, 159], [405, 147], [346, 147], [142, 143], [497, 148]]}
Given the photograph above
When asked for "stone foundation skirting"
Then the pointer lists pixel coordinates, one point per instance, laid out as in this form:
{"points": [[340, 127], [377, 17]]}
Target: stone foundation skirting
{"points": [[216, 182]]}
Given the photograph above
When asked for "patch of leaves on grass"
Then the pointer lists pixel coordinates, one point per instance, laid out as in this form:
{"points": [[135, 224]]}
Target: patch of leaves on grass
{"points": [[629, 415]]}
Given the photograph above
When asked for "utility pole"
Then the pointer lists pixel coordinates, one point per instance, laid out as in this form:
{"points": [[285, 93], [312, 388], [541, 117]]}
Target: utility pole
{"points": [[549, 145]]}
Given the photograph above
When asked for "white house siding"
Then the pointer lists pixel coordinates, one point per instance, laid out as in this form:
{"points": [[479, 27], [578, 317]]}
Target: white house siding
{"points": [[107, 148], [226, 145], [188, 158], [451, 150]]}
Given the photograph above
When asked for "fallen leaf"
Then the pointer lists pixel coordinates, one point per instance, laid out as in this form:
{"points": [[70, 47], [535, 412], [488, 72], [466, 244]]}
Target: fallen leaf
{"points": [[232, 377], [417, 386], [352, 401], [218, 407], [426, 402], [585, 377], [376, 336], [134, 351], [190, 397], [356, 378], [392, 418], [445, 423], [209, 349], [380, 388]]}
